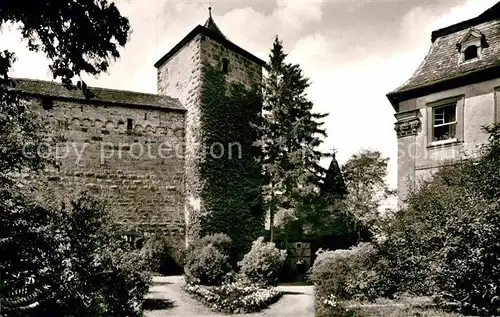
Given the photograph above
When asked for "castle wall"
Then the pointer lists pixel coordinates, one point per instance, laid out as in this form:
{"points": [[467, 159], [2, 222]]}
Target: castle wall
{"points": [[418, 159], [140, 170]]}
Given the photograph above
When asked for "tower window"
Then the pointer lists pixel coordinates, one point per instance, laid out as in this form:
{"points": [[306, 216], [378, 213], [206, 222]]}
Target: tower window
{"points": [[129, 124], [225, 65], [470, 53], [47, 103]]}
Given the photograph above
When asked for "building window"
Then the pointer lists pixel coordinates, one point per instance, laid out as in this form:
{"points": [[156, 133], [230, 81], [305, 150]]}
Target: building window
{"points": [[225, 65], [444, 122], [298, 245], [470, 53], [47, 103], [129, 124]]}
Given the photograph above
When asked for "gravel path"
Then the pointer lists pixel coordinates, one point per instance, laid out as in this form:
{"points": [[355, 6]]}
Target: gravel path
{"points": [[296, 302]]}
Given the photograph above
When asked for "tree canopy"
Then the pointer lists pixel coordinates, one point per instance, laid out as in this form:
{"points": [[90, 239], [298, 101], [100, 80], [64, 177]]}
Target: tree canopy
{"points": [[62, 257], [292, 133], [80, 36]]}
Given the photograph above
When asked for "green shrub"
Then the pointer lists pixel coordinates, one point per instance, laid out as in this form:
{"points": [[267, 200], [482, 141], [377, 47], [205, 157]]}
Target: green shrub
{"points": [[262, 264], [220, 241], [167, 257], [207, 262], [96, 271], [86, 271], [445, 241], [343, 275]]}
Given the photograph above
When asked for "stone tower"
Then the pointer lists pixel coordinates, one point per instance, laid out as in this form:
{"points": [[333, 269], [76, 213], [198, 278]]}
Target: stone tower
{"points": [[180, 76]]}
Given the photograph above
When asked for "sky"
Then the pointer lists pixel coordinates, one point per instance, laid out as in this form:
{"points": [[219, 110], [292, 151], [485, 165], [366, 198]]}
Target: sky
{"points": [[354, 53]]}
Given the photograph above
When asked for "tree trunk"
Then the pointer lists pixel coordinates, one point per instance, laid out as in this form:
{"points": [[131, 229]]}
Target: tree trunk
{"points": [[286, 238], [271, 215]]}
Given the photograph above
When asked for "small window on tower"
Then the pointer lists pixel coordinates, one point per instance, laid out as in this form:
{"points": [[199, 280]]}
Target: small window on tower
{"points": [[47, 103], [129, 124], [225, 65]]}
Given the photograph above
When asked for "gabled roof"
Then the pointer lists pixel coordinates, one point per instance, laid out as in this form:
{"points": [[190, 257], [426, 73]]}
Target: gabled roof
{"points": [[472, 32], [211, 30], [41, 88], [441, 68]]}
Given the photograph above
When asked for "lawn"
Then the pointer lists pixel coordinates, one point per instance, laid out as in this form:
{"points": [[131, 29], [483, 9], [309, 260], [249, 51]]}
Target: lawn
{"points": [[404, 307]]}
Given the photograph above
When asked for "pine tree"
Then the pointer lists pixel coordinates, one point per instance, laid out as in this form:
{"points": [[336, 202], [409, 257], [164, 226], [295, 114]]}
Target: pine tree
{"points": [[292, 133]]}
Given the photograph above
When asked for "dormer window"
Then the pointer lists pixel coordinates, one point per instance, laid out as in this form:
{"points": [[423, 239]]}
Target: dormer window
{"points": [[470, 53], [471, 45]]}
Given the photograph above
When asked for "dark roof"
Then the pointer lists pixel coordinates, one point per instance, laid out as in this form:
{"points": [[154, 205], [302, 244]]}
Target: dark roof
{"points": [[33, 87], [492, 13], [211, 30], [211, 25], [441, 68]]}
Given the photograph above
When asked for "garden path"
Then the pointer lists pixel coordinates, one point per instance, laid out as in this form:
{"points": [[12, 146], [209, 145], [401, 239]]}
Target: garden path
{"points": [[298, 301]]}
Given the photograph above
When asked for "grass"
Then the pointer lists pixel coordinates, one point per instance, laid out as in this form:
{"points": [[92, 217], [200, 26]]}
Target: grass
{"points": [[405, 307]]}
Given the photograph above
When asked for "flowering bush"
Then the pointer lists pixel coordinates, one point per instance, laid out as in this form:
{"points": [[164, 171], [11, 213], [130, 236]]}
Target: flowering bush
{"points": [[262, 264], [234, 297], [208, 262]]}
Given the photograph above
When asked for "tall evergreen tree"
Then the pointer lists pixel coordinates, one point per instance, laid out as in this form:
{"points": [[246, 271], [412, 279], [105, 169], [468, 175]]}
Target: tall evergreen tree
{"points": [[292, 133]]}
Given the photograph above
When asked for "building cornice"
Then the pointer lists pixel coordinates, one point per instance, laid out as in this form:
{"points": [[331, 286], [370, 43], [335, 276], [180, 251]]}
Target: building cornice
{"points": [[408, 123], [469, 78]]}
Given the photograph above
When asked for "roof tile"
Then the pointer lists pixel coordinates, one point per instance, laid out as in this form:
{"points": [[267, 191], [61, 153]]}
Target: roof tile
{"points": [[443, 59], [121, 97]]}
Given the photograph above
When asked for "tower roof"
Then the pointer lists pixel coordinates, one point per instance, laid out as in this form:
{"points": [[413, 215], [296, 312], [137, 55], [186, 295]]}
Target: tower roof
{"points": [[211, 25], [211, 30]]}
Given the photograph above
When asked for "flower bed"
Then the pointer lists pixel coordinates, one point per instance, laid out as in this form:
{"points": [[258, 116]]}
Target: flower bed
{"points": [[234, 298]]}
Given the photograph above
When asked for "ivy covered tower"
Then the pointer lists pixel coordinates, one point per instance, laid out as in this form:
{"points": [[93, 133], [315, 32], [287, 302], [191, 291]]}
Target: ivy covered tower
{"points": [[180, 75]]}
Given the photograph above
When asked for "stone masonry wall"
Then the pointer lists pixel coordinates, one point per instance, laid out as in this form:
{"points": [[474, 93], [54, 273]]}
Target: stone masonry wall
{"points": [[241, 69], [181, 77], [139, 170]]}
